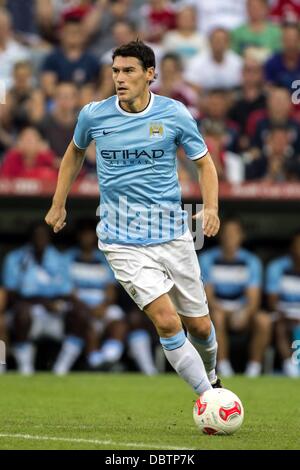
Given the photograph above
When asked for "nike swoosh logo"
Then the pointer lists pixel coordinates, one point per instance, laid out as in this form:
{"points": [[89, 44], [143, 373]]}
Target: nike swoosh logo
{"points": [[106, 133]]}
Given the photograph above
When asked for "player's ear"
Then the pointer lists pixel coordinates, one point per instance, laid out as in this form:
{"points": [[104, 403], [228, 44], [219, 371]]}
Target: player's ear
{"points": [[150, 74]]}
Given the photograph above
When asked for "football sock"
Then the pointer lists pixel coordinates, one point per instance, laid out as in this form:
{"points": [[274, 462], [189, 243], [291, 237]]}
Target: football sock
{"points": [[70, 351], [187, 362], [139, 344], [207, 348], [24, 355], [110, 352]]}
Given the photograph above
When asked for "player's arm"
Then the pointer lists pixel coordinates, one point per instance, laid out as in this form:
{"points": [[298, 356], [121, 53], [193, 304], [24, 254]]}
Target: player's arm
{"points": [[253, 298], [70, 166], [208, 180], [272, 301]]}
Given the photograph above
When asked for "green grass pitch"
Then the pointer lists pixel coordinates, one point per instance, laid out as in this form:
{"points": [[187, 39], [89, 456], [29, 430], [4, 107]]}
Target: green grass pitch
{"points": [[134, 412]]}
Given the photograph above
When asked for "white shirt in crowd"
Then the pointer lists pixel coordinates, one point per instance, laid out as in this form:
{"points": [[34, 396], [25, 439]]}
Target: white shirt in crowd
{"points": [[228, 14], [185, 47], [204, 72], [12, 54]]}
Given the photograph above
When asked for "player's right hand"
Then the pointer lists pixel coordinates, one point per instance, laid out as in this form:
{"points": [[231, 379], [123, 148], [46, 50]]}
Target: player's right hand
{"points": [[56, 218]]}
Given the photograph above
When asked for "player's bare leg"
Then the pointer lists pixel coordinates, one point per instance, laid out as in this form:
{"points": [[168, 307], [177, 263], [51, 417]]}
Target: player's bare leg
{"points": [[178, 349], [220, 319], [261, 337], [283, 333], [24, 350]]}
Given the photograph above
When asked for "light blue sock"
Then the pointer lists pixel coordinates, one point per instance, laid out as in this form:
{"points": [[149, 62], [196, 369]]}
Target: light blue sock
{"points": [[207, 348], [184, 358]]}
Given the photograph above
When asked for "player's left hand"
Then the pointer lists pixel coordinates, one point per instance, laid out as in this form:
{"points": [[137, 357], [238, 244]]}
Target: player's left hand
{"points": [[210, 221]]}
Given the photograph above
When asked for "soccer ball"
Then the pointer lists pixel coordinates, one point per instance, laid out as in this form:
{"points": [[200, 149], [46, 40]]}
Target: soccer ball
{"points": [[218, 411]]}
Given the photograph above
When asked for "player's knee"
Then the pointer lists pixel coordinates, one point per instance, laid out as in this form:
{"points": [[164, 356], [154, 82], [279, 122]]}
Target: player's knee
{"points": [[201, 328], [263, 322], [166, 323]]}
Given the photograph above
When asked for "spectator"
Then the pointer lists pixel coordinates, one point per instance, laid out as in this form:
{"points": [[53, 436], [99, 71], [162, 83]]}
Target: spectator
{"points": [[215, 107], [50, 14], [99, 21], [70, 62], [38, 278], [258, 33], [58, 126], [30, 158], [283, 68], [185, 40], [233, 281], [283, 289], [279, 112], [229, 165], [106, 86], [24, 20], [285, 11], [11, 51], [158, 17], [95, 286], [22, 87], [123, 32], [218, 67], [172, 84], [278, 161], [250, 98], [216, 13]]}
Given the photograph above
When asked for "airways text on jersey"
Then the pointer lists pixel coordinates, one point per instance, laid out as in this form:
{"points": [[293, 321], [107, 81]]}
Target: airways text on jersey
{"points": [[131, 157]]}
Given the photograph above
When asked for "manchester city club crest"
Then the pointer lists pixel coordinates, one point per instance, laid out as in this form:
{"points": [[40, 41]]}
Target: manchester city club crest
{"points": [[156, 130]]}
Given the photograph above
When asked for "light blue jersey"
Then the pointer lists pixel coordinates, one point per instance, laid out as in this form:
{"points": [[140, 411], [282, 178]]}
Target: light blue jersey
{"points": [[90, 278], [49, 279], [283, 280], [230, 280], [137, 169]]}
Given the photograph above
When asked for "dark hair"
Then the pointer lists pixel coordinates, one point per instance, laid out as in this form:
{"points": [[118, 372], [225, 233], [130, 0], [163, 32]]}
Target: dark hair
{"points": [[139, 50], [174, 57], [279, 127], [290, 25], [232, 219]]}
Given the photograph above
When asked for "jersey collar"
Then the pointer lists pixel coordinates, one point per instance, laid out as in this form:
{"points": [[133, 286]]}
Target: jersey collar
{"points": [[142, 113]]}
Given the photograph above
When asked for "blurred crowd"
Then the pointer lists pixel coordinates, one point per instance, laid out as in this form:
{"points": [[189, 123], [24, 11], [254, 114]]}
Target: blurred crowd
{"points": [[71, 298], [234, 64]]}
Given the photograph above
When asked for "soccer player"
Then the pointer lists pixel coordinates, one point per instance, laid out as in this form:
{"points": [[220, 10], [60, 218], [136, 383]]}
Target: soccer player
{"points": [[143, 230]]}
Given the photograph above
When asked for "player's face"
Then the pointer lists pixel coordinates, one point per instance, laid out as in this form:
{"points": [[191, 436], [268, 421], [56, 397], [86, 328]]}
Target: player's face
{"points": [[231, 236], [130, 79]]}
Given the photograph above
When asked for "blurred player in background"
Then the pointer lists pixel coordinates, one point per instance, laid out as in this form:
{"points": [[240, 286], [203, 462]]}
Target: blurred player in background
{"points": [[283, 289], [233, 282], [37, 279], [95, 286], [145, 236]]}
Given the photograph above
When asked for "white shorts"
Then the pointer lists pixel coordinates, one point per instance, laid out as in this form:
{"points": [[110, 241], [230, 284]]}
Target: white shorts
{"points": [[147, 272]]}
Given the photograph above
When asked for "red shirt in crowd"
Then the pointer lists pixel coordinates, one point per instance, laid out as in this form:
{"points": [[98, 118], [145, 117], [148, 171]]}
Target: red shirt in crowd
{"points": [[286, 10], [14, 165]]}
